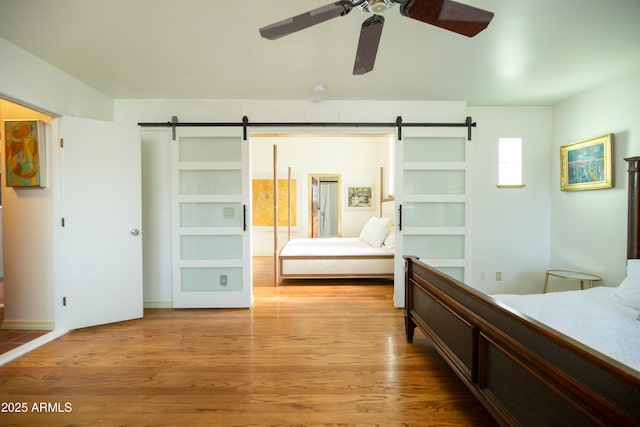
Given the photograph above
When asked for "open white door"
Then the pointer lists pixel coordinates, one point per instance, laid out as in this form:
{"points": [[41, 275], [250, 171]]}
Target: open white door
{"points": [[101, 237]]}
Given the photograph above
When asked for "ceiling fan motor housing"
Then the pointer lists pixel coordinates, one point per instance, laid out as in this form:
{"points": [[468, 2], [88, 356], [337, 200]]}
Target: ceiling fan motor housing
{"points": [[375, 6]]}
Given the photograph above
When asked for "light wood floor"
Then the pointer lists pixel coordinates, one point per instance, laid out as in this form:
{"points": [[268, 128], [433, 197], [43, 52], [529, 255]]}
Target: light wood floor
{"points": [[303, 355]]}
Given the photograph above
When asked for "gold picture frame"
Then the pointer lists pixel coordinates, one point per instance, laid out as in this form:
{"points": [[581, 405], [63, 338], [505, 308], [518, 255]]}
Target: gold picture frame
{"points": [[587, 165]]}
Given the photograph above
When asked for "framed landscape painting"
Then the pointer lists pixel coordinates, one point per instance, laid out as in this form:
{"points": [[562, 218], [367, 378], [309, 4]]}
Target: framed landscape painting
{"points": [[24, 153], [587, 165]]}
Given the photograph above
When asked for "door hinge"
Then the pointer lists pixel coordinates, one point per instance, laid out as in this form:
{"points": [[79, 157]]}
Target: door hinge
{"points": [[62, 222], [64, 301], [61, 142]]}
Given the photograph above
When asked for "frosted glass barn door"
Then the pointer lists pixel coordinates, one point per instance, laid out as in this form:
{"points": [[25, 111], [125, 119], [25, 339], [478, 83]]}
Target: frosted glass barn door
{"points": [[433, 202], [211, 236]]}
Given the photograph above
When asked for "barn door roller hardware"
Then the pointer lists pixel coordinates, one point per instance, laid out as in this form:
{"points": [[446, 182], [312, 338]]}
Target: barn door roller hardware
{"points": [[245, 123]]}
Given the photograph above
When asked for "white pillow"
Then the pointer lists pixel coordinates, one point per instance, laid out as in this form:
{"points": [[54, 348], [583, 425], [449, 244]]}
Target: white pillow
{"points": [[628, 293], [390, 239], [374, 231]]}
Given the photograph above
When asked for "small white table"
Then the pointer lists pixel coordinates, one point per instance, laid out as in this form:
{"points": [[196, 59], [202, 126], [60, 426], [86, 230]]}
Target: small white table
{"points": [[571, 275]]}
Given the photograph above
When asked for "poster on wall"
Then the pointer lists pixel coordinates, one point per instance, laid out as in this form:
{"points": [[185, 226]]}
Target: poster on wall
{"points": [[24, 151], [263, 202]]}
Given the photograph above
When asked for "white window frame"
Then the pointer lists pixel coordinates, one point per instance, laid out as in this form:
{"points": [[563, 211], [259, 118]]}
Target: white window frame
{"points": [[510, 174]]}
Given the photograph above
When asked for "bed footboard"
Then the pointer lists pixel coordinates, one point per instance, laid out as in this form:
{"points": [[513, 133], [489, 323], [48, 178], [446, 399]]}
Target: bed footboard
{"points": [[522, 371]]}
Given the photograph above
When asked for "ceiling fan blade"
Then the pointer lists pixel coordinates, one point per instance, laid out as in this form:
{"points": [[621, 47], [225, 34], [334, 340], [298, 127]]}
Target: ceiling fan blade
{"points": [[370, 34], [448, 14], [306, 20]]}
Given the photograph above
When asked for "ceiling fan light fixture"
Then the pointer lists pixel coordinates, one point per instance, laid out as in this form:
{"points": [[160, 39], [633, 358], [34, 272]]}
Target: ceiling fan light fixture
{"points": [[379, 6]]}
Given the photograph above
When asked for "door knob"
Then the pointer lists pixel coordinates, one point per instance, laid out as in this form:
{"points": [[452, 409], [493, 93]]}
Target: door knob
{"points": [[135, 232]]}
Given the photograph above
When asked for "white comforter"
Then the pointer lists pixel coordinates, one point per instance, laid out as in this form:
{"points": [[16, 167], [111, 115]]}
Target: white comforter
{"points": [[588, 316], [337, 246]]}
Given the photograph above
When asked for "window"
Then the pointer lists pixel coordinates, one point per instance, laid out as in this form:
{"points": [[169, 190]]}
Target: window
{"points": [[510, 162]]}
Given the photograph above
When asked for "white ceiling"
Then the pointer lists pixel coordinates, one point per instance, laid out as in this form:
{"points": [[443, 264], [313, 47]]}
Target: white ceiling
{"points": [[535, 52]]}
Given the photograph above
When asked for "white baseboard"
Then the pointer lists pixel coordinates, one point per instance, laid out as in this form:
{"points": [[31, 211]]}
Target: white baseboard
{"points": [[30, 346], [32, 325]]}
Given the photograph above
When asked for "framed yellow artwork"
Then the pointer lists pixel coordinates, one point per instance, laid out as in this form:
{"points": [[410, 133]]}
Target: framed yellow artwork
{"points": [[263, 202]]}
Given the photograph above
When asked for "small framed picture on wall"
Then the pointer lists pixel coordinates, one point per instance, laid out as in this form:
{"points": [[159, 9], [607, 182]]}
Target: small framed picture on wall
{"points": [[359, 197]]}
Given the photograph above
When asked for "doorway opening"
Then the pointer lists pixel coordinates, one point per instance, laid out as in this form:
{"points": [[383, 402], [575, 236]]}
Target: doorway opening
{"points": [[326, 218], [23, 220]]}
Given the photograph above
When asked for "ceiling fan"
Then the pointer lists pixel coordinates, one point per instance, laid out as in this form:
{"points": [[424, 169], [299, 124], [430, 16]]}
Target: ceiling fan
{"points": [[448, 14]]}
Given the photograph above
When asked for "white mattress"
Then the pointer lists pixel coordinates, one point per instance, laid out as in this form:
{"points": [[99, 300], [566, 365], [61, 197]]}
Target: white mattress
{"points": [[588, 316], [345, 247], [336, 246]]}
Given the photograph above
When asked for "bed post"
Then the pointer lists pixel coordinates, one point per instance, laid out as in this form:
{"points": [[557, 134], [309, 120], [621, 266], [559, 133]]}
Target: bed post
{"points": [[633, 219], [409, 325], [289, 204], [276, 277], [381, 191]]}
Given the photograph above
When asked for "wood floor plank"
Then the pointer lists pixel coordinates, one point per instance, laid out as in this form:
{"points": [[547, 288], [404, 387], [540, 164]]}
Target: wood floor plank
{"points": [[319, 355]]}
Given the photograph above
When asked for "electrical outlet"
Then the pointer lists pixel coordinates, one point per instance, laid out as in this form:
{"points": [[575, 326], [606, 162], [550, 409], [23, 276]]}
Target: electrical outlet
{"points": [[223, 280], [498, 275]]}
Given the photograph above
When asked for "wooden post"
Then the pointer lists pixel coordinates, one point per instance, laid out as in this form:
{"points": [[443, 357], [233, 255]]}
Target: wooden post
{"points": [[289, 204], [382, 195], [633, 216], [275, 216]]}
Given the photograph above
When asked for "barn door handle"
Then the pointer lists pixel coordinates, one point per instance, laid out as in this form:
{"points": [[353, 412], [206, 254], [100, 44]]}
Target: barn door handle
{"points": [[400, 218], [244, 217]]}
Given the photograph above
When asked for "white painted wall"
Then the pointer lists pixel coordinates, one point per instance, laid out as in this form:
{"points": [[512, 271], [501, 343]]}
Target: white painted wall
{"points": [[145, 110], [588, 228], [30, 81], [156, 217], [510, 225], [27, 241]]}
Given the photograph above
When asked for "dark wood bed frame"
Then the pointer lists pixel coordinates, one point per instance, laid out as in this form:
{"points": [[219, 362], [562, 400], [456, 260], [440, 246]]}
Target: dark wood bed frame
{"points": [[523, 372]]}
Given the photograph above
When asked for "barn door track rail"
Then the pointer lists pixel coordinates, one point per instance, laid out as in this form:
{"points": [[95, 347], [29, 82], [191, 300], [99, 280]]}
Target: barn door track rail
{"points": [[244, 124]]}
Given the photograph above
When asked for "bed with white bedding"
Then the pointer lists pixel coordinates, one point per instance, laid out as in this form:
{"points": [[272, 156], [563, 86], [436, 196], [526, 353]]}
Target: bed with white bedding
{"points": [[558, 359], [370, 255], [593, 317], [334, 257]]}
